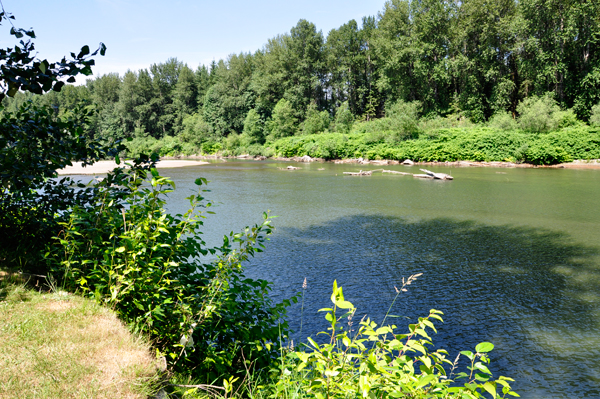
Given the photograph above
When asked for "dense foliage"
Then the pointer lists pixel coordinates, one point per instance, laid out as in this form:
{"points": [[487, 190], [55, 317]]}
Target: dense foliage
{"points": [[114, 241], [467, 60], [129, 254], [372, 361], [451, 144], [34, 143]]}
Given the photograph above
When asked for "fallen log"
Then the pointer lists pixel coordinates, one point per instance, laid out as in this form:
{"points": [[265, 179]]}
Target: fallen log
{"points": [[440, 176], [423, 176], [395, 172], [361, 173]]}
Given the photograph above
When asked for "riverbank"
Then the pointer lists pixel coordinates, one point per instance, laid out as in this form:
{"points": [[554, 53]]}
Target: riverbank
{"points": [[478, 145], [102, 167], [577, 164], [59, 345]]}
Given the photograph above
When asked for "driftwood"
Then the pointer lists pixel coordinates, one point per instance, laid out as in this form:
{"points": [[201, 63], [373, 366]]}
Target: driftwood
{"points": [[395, 172], [423, 176], [440, 176], [361, 173]]}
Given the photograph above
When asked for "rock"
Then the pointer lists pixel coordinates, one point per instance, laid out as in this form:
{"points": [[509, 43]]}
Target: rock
{"points": [[306, 158], [408, 162]]}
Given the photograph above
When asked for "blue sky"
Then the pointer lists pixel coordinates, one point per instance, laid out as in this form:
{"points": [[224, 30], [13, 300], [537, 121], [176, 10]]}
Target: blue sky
{"points": [[139, 33]]}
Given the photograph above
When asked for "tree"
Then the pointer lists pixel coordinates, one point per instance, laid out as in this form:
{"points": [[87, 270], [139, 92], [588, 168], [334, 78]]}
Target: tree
{"points": [[254, 127], [34, 143], [315, 122], [283, 122]]}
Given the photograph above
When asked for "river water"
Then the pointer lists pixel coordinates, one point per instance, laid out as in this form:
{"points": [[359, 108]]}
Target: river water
{"points": [[511, 256]]}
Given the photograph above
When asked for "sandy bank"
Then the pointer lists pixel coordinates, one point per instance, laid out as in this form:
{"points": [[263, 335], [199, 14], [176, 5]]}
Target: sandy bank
{"points": [[106, 166]]}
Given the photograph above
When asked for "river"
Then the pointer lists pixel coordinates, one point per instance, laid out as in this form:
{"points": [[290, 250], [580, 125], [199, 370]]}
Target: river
{"points": [[511, 256]]}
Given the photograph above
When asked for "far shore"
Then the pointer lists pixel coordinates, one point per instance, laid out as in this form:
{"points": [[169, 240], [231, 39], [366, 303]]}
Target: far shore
{"points": [[577, 164], [102, 167]]}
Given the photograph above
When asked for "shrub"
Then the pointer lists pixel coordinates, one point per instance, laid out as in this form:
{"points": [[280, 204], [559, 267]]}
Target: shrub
{"points": [[502, 121], [404, 119], [595, 116], [132, 256], [380, 362], [538, 114]]}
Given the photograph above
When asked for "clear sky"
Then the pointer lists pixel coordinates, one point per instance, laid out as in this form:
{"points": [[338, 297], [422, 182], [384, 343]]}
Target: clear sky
{"points": [[142, 32]]}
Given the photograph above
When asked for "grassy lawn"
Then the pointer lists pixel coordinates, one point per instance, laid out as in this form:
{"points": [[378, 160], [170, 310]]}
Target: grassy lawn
{"points": [[59, 345]]}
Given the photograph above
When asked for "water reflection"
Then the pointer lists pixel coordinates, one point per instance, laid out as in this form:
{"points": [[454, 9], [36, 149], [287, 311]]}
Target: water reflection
{"points": [[532, 292]]}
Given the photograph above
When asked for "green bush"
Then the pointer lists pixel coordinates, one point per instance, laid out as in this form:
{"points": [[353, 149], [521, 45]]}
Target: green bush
{"points": [[539, 114], [595, 116], [404, 119], [381, 362], [475, 144], [129, 254], [502, 121]]}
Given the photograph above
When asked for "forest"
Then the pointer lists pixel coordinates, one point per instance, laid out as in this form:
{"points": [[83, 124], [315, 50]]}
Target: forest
{"points": [[436, 63]]}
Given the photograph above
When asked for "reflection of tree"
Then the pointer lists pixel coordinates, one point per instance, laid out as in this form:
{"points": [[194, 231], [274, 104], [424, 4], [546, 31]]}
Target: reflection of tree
{"points": [[530, 291]]}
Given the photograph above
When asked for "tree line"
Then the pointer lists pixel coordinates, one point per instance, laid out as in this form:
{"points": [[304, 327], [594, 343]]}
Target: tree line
{"points": [[471, 59]]}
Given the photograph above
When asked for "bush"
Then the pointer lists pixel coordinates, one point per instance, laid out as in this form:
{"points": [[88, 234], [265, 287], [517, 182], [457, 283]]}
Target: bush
{"points": [[595, 116], [539, 114], [502, 121], [380, 362], [404, 119], [130, 255]]}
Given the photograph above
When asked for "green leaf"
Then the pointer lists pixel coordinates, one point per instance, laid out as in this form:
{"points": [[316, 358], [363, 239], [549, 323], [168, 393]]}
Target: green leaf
{"points": [[425, 380], [490, 388], [484, 347], [344, 305]]}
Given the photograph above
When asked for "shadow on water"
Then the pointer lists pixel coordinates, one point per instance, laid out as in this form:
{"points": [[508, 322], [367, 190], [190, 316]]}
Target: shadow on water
{"points": [[534, 293]]}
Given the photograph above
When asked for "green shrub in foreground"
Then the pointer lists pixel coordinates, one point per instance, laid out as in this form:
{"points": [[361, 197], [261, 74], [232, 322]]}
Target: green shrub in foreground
{"points": [[131, 255], [380, 362]]}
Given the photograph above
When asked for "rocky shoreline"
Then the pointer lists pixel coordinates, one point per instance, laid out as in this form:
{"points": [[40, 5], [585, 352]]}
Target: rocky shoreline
{"points": [[577, 164]]}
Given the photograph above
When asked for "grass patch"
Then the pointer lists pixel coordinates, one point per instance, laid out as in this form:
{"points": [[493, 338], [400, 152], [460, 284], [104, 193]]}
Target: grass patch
{"points": [[60, 345]]}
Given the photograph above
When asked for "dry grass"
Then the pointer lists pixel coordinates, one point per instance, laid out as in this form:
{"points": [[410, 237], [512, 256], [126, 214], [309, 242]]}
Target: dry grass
{"points": [[63, 346]]}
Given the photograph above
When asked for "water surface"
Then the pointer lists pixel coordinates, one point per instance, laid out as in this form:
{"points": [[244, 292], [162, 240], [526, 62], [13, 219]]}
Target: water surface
{"points": [[511, 256]]}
